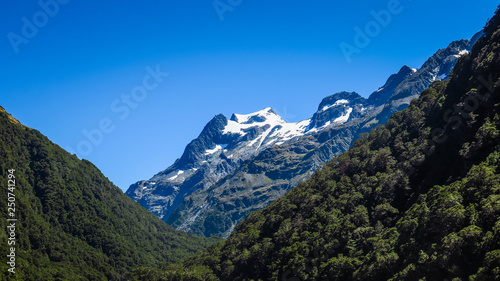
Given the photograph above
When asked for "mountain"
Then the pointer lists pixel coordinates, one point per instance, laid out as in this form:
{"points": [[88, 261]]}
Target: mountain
{"points": [[72, 222], [232, 172], [436, 67], [415, 199], [222, 146], [242, 164], [268, 175], [384, 93]]}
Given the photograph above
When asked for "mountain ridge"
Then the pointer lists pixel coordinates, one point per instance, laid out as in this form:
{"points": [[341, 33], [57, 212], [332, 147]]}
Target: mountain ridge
{"points": [[348, 111]]}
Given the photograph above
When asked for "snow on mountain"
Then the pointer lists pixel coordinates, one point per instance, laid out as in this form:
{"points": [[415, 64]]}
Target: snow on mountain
{"points": [[337, 103], [177, 173], [342, 119], [274, 128], [337, 109], [226, 143]]}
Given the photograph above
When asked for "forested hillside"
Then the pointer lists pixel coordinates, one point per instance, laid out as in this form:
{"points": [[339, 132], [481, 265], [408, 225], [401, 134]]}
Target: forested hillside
{"points": [[72, 222], [416, 199]]}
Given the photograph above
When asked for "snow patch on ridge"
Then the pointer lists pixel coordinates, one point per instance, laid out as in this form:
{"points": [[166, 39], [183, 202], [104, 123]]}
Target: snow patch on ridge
{"points": [[178, 173], [217, 148], [338, 102], [337, 121], [461, 53], [342, 119]]}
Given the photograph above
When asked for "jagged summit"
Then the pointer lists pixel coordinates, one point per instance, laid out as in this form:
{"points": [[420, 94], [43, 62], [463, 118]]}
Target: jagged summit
{"points": [[381, 95], [337, 109], [340, 97], [437, 67], [260, 116]]}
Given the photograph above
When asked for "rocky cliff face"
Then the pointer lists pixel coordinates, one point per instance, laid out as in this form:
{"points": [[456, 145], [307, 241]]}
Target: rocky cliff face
{"points": [[241, 164]]}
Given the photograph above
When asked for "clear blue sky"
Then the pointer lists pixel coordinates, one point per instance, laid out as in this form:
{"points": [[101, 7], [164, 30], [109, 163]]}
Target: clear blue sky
{"points": [[70, 72]]}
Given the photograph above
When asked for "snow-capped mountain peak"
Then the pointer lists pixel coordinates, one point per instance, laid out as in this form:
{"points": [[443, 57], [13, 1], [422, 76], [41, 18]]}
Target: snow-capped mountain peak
{"points": [[242, 123], [265, 115], [337, 109], [265, 127]]}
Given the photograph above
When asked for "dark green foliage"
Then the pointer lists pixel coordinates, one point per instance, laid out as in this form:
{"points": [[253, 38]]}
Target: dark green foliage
{"points": [[176, 272], [416, 199], [73, 223]]}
